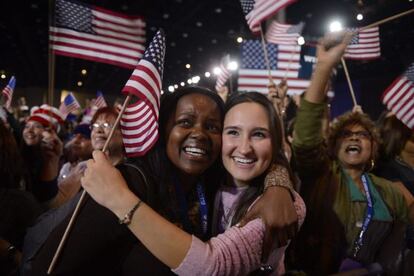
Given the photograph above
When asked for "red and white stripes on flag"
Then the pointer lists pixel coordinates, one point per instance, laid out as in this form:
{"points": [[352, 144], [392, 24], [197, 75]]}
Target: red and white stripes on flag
{"points": [[365, 44], [99, 102], [69, 104], [139, 122], [257, 11], [399, 97], [284, 64], [285, 34], [8, 91], [225, 73], [97, 34]]}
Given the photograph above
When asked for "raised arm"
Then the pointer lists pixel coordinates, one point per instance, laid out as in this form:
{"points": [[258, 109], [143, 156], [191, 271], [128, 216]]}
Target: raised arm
{"points": [[307, 136], [329, 51]]}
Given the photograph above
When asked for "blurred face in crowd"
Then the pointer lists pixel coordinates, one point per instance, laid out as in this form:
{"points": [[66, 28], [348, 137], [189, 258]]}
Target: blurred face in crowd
{"points": [[354, 147], [79, 148], [409, 145], [247, 145], [32, 133], [100, 132], [194, 134]]}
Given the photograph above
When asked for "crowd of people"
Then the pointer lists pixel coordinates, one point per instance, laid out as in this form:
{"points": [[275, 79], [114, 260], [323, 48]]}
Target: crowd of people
{"points": [[232, 187]]}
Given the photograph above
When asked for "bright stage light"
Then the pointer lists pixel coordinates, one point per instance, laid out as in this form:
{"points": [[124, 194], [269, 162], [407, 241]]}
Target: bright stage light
{"points": [[359, 16], [216, 71], [335, 26], [301, 40], [233, 65]]}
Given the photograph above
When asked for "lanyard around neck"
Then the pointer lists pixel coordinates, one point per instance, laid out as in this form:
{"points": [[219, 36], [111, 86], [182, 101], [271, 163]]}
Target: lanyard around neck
{"points": [[183, 208], [368, 216]]}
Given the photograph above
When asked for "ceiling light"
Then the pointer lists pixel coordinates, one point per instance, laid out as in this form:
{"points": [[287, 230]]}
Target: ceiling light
{"points": [[233, 65], [80, 83], [335, 26], [175, 86], [182, 83], [207, 74], [188, 66], [216, 71], [171, 88], [3, 76], [301, 40], [239, 39], [359, 16], [84, 72], [195, 79], [189, 81]]}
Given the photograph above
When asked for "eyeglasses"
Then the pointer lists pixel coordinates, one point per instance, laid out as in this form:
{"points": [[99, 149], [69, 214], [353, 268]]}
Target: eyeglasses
{"points": [[362, 134], [104, 126]]}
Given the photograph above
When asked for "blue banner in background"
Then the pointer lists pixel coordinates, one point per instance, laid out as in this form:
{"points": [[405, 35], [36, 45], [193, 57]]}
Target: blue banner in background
{"points": [[342, 101], [307, 62]]}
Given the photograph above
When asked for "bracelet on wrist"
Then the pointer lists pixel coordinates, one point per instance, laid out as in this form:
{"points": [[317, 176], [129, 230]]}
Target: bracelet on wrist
{"points": [[128, 216]]}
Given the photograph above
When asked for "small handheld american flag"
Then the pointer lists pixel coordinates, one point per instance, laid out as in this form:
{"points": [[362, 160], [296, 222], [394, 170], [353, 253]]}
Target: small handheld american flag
{"points": [[139, 123], [257, 11], [99, 102], [285, 34], [225, 73], [93, 33], [399, 97], [8, 91], [365, 44], [69, 105]]}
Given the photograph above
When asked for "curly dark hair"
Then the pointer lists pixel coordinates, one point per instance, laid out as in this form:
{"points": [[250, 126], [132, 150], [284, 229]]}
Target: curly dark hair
{"points": [[349, 119]]}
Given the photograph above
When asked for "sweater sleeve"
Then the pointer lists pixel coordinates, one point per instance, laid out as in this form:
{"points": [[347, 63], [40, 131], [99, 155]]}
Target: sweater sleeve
{"points": [[235, 252]]}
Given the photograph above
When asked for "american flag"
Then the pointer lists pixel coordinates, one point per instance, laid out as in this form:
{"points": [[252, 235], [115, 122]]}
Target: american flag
{"points": [[399, 97], [69, 105], [285, 34], [139, 123], [97, 34], [365, 44], [99, 102], [285, 62], [8, 91], [225, 73], [257, 11]]}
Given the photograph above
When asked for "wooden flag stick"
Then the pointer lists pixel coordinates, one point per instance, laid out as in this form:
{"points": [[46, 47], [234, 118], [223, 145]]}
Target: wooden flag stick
{"points": [[82, 198], [290, 62], [387, 19], [351, 89], [265, 54]]}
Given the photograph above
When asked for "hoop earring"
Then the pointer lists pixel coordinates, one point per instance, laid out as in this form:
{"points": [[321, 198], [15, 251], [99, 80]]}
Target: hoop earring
{"points": [[372, 165]]}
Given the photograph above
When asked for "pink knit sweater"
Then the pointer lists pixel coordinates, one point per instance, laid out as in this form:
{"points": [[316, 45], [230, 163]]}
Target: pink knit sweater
{"points": [[235, 252]]}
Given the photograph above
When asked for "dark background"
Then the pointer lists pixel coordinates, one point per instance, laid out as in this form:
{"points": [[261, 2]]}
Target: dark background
{"points": [[199, 33]]}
